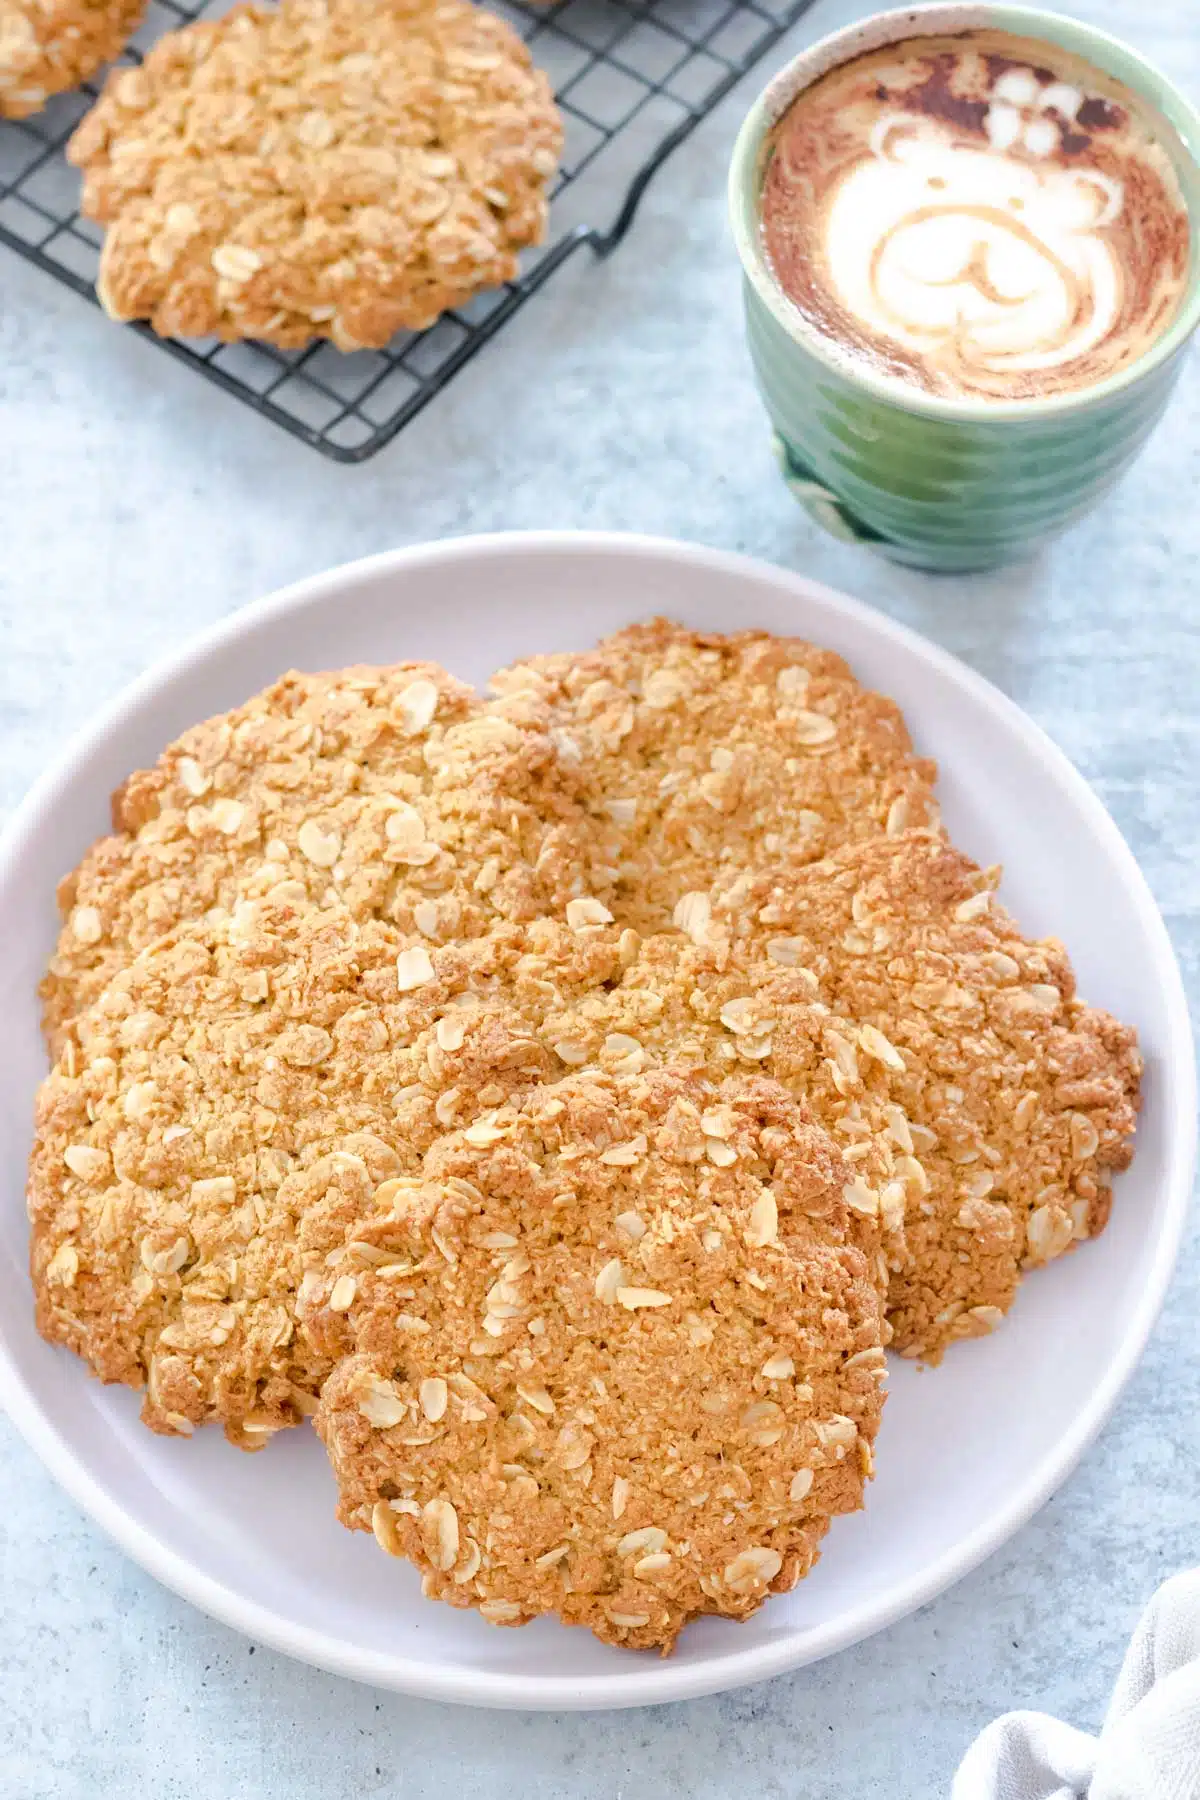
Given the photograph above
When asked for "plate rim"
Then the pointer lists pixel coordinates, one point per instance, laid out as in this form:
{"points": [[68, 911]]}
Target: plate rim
{"points": [[638, 1685]]}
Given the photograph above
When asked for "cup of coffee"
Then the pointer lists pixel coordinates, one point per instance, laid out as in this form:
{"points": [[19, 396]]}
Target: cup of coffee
{"points": [[970, 238]]}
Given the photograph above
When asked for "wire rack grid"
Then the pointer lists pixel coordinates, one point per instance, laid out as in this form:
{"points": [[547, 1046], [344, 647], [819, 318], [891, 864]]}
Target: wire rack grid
{"points": [[633, 78]]}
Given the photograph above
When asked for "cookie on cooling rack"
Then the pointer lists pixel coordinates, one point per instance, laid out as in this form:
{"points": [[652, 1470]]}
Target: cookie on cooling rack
{"points": [[710, 752], [48, 46], [393, 791], [341, 169], [215, 1123], [601, 1371]]}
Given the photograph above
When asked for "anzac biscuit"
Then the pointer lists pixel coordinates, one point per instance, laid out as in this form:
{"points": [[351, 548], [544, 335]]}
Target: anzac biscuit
{"points": [[982, 1104], [617, 1356], [182, 1181], [390, 790], [344, 169], [1021, 1100], [48, 46], [711, 754]]}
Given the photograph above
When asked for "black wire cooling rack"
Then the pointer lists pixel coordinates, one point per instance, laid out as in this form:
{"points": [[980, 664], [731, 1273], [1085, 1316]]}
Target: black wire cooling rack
{"points": [[633, 79]]}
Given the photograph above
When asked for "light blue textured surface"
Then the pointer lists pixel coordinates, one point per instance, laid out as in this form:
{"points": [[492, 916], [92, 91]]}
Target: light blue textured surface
{"points": [[137, 504]]}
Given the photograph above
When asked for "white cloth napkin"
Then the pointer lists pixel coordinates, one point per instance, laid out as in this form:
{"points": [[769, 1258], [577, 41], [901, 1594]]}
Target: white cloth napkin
{"points": [[1149, 1748]]}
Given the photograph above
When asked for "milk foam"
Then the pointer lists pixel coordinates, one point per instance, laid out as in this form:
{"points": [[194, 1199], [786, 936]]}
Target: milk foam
{"points": [[979, 214], [931, 239]]}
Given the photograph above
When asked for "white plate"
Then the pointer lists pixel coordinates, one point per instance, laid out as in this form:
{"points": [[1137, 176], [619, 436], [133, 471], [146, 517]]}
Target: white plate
{"points": [[966, 1453]]}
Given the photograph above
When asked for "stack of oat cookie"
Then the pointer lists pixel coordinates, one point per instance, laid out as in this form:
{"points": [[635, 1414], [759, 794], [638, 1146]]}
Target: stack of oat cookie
{"points": [[341, 169], [562, 1097]]}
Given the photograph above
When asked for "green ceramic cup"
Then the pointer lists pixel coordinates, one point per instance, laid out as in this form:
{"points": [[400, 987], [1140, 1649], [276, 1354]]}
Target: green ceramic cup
{"points": [[945, 483]]}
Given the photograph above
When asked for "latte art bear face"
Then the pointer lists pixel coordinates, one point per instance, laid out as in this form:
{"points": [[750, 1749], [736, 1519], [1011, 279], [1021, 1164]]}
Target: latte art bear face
{"points": [[974, 225], [931, 242]]}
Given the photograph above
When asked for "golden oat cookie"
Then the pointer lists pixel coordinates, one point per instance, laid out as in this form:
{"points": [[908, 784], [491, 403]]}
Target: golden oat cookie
{"points": [[600, 996], [48, 46], [1021, 1100], [390, 790], [711, 753], [599, 1372], [182, 1181], [595, 995], [982, 1104], [340, 169]]}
